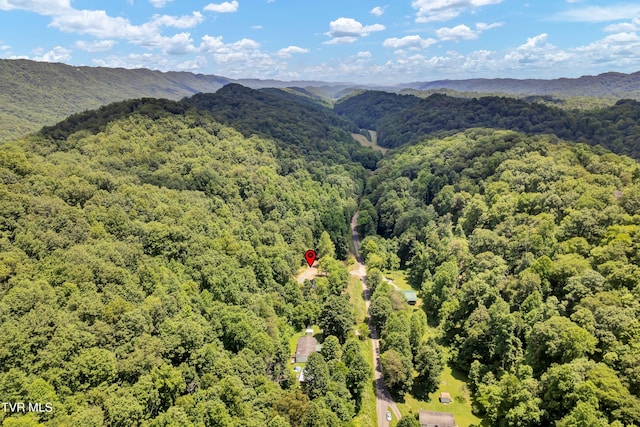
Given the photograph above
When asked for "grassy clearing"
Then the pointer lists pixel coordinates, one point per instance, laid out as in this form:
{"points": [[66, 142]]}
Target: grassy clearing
{"points": [[454, 383], [373, 143], [293, 341], [357, 302], [399, 277]]}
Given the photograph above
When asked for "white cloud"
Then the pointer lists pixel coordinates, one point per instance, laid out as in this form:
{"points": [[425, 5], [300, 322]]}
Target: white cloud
{"points": [[614, 12], [634, 25], [257, 27], [481, 26], [463, 32], [457, 33], [408, 42], [442, 10], [348, 30], [621, 49], [364, 55], [342, 40], [211, 44], [192, 65], [224, 7], [57, 54], [185, 21], [537, 51], [98, 24], [159, 3], [288, 51], [95, 46], [42, 7], [225, 52], [245, 44], [178, 44], [377, 11]]}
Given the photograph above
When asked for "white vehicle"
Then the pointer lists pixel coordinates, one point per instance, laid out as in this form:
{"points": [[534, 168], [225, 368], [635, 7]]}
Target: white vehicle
{"points": [[388, 416]]}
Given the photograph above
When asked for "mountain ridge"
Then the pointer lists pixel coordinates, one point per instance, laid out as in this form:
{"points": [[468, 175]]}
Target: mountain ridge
{"points": [[588, 85], [35, 94]]}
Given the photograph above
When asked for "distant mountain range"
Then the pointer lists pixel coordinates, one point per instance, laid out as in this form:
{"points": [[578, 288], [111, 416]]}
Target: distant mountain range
{"points": [[616, 85], [35, 94]]}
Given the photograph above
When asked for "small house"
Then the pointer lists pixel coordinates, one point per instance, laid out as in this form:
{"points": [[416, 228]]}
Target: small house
{"points": [[306, 345], [410, 296], [436, 419], [445, 397]]}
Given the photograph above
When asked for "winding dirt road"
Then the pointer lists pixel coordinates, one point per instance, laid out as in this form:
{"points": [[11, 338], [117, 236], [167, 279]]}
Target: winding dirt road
{"points": [[384, 401]]}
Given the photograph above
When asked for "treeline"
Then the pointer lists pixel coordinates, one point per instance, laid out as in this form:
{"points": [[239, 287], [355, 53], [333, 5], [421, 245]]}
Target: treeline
{"points": [[146, 265], [405, 347], [526, 253], [406, 119]]}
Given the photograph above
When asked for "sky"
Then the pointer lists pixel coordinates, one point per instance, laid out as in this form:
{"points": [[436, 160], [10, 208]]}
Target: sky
{"points": [[357, 41]]}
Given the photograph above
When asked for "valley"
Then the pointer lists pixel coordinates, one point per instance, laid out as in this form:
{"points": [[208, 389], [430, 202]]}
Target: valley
{"points": [[152, 267]]}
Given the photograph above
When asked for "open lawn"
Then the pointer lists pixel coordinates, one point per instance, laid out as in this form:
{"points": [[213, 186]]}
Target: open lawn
{"points": [[357, 302], [373, 143], [399, 278], [452, 382]]}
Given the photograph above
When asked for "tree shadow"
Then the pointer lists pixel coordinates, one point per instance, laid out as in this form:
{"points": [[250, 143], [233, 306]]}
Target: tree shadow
{"points": [[458, 374], [421, 389]]}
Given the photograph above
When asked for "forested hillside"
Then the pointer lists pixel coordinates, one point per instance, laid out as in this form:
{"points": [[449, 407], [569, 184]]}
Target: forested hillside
{"points": [[525, 251], [303, 124], [366, 109], [35, 94], [405, 121], [300, 125], [146, 264]]}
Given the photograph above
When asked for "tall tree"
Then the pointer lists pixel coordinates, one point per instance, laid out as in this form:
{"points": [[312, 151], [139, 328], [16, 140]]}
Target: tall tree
{"points": [[336, 317]]}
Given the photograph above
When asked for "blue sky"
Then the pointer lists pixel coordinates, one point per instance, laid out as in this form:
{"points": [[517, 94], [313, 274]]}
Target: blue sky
{"points": [[333, 40]]}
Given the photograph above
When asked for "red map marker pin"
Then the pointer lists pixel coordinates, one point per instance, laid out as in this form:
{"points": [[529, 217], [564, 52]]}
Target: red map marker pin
{"points": [[310, 256]]}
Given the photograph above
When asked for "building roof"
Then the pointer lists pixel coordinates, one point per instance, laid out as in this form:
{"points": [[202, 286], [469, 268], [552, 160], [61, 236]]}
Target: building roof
{"points": [[445, 397], [306, 346], [440, 419], [410, 295]]}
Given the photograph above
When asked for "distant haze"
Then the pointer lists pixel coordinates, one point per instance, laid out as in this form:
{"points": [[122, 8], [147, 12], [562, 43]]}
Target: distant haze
{"points": [[34, 94]]}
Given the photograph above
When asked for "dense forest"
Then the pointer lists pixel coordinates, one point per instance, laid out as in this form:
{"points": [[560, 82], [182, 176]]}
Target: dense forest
{"points": [[525, 251], [148, 251], [146, 274], [301, 126], [400, 121]]}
